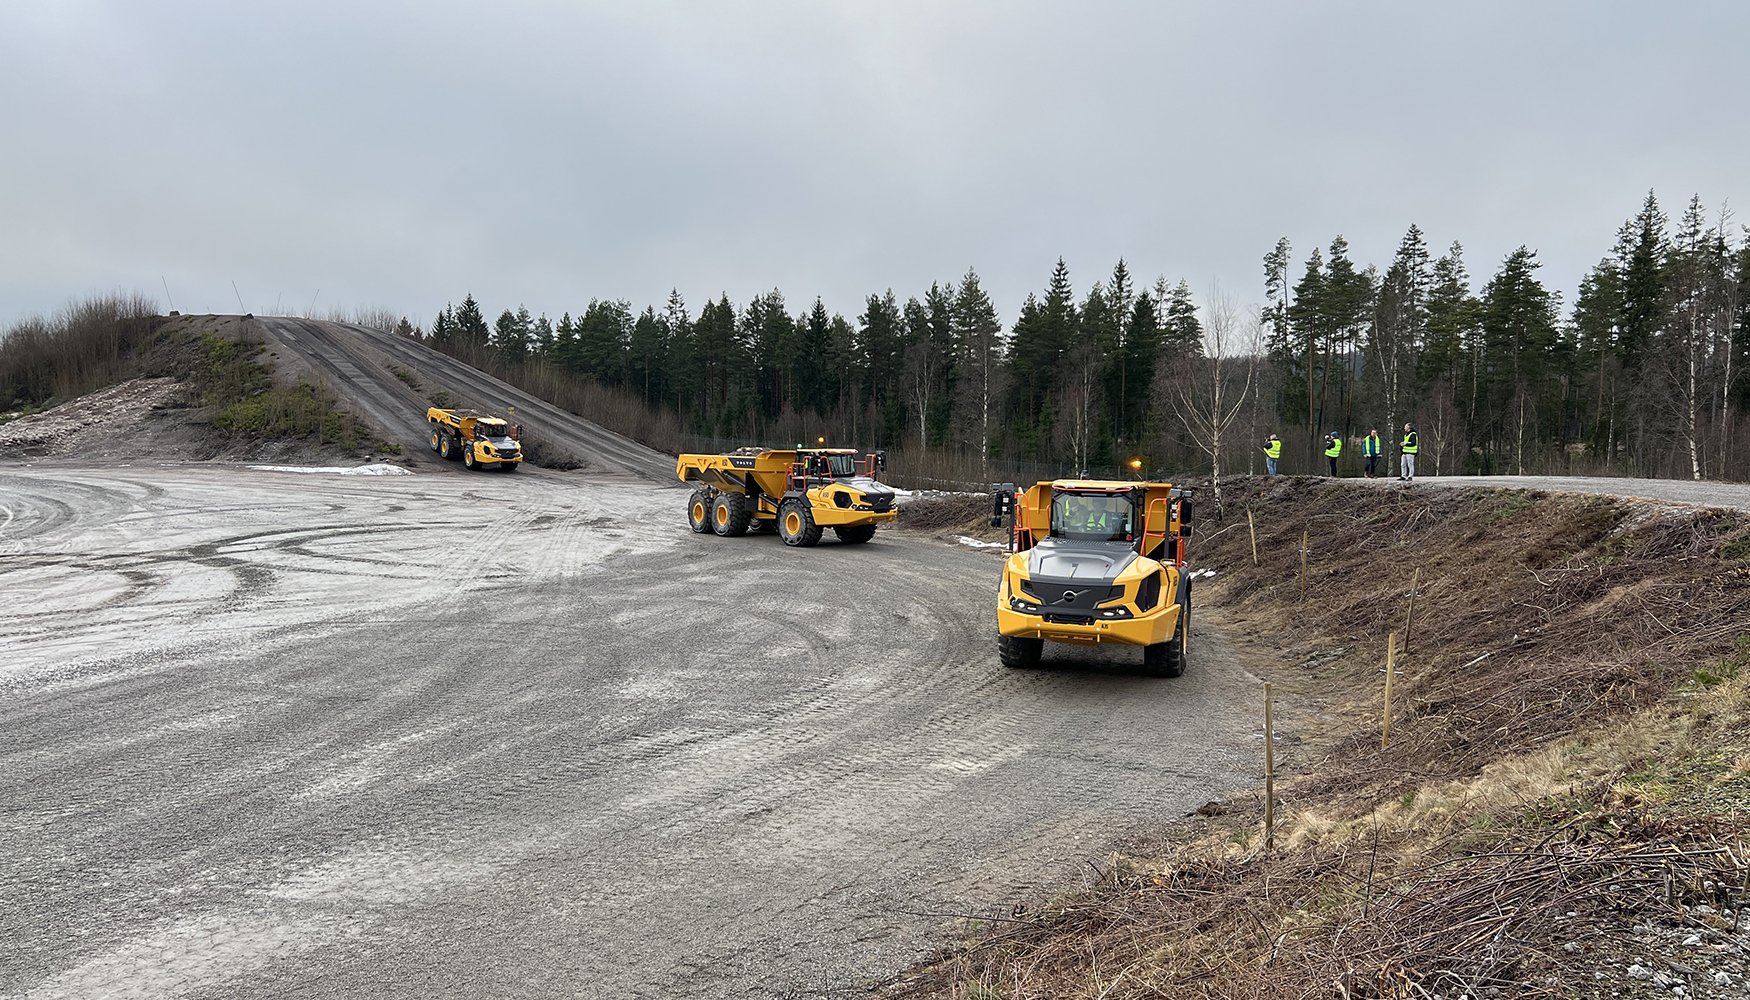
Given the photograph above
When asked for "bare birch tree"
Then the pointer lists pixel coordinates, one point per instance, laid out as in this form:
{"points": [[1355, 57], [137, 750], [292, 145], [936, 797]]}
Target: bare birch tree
{"points": [[923, 369], [1080, 390], [1199, 390]]}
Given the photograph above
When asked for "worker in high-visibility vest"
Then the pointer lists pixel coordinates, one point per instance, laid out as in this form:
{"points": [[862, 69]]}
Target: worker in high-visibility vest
{"points": [[1370, 450], [1333, 449], [1407, 454], [1272, 452]]}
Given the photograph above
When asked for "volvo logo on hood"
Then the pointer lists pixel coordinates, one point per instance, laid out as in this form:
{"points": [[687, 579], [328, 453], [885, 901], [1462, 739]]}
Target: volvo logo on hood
{"points": [[1069, 596]]}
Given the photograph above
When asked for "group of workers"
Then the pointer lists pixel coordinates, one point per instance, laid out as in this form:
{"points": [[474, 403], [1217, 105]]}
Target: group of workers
{"points": [[1371, 449]]}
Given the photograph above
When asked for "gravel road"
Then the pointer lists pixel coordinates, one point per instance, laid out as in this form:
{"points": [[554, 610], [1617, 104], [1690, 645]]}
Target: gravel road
{"points": [[266, 734], [356, 360], [1700, 494]]}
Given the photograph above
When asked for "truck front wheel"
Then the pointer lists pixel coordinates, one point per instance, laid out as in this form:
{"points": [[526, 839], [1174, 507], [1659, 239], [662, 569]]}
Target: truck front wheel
{"points": [[796, 524], [855, 534], [1018, 652], [468, 457], [1167, 659]]}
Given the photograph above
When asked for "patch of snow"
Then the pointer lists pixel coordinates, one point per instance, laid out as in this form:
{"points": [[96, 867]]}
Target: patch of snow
{"points": [[975, 543], [1199, 573], [377, 469]]}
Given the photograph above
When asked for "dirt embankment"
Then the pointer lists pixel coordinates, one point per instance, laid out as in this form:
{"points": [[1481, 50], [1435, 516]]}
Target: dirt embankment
{"points": [[203, 388], [1561, 806]]}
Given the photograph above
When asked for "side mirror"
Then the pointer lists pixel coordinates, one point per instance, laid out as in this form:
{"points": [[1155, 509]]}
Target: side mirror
{"points": [[1002, 503], [881, 460], [1185, 517]]}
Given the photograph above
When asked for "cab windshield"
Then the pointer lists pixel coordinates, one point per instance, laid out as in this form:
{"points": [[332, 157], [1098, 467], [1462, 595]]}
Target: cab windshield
{"points": [[491, 431], [842, 465], [1103, 517]]}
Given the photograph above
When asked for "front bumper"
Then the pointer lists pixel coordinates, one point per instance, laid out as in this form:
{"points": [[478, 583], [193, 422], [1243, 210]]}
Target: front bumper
{"points": [[1146, 630], [828, 516]]}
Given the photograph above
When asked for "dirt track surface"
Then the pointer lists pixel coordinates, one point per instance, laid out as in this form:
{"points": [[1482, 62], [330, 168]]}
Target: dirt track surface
{"points": [[266, 734], [1699, 494], [356, 361]]}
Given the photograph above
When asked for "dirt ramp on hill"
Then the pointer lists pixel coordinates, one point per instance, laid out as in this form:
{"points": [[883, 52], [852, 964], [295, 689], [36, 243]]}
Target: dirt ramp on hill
{"points": [[392, 380]]}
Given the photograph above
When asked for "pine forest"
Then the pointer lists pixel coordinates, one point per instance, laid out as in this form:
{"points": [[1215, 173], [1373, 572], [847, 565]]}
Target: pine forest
{"points": [[1641, 375]]}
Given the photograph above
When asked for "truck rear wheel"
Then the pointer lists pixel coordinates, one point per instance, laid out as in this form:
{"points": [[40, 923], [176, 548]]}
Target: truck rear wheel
{"points": [[447, 447], [729, 515], [1018, 652], [855, 534], [699, 511], [434, 441], [796, 524]]}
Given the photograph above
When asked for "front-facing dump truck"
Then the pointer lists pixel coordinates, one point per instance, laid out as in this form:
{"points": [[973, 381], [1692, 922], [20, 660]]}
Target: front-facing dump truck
{"points": [[1095, 562], [480, 442], [798, 492]]}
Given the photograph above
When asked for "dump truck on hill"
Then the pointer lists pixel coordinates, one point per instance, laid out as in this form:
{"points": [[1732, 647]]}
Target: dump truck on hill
{"points": [[480, 442], [1095, 561], [798, 493]]}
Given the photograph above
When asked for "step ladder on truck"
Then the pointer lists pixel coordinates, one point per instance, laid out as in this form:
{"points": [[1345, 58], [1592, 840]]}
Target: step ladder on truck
{"points": [[1095, 562]]}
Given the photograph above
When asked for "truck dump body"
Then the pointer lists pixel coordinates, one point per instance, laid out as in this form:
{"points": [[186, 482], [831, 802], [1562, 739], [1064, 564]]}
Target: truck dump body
{"points": [[797, 492], [1096, 562]]}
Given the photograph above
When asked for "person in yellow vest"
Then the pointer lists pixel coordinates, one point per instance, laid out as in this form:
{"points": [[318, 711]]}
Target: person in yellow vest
{"points": [[1370, 450], [1272, 452], [1407, 454], [1333, 449]]}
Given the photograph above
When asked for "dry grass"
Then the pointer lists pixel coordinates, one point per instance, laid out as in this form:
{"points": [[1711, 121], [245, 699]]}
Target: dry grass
{"points": [[91, 344], [1593, 761]]}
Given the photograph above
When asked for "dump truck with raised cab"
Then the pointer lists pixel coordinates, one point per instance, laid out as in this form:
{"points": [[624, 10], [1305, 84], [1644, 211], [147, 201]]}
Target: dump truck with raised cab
{"points": [[480, 442], [1095, 562], [797, 492]]}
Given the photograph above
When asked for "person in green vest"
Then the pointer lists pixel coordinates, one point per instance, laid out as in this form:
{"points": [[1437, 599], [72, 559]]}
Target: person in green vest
{"points": [[1272, 452], [1370, 449], [1333, 449], [1407, 454]]}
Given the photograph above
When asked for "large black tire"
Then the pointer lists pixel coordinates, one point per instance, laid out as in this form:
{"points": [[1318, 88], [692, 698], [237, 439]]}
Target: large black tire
{"points": [[699, 511], [855, 534], [729, 515], [1167, 659], [761, 525], [468, 457], [509, 466], [447, 448], [434, 442], [1018, 652], [796, 524]]}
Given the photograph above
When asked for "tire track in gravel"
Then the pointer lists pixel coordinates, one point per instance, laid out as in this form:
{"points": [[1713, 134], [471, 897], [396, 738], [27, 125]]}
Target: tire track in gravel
{"points": [[657, 764]]}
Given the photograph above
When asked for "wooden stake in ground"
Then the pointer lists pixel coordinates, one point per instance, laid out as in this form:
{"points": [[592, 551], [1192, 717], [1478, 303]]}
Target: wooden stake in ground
{"points": [[1303, 533], [1410, 613], [1254, 529], [1269, 774], [1391, 656]]}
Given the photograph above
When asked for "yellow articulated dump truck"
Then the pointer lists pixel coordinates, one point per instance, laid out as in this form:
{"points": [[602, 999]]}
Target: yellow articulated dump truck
{"points": [[798, 493], [480, 442], [1095, 562]]}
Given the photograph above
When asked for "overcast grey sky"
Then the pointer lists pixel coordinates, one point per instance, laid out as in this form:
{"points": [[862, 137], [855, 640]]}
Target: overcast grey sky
{"points": [[405, 154]]}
